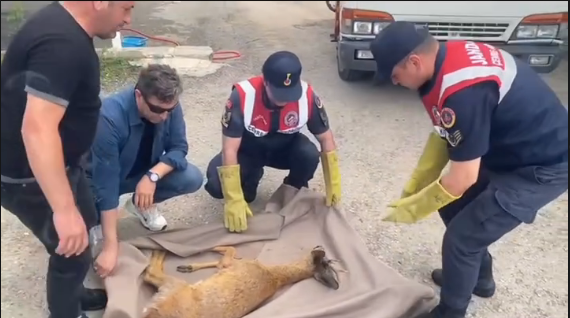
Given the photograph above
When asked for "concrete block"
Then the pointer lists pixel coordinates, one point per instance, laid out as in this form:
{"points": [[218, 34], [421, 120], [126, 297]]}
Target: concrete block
{"points": [[194, 52], [159, 52]]}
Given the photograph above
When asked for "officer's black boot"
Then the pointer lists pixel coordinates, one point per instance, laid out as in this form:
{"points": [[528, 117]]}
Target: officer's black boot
{"points": [[288, 182], [441, 311], [486, 285], [93, 299]]}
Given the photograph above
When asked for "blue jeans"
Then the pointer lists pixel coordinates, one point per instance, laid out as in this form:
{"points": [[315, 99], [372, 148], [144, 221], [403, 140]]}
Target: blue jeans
{"points": [[176, 183]]}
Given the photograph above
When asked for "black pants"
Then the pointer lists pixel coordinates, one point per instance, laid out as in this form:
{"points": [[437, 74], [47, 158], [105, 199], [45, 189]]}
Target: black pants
{"points": [[301, 157], [65, 276], [493, 207]]}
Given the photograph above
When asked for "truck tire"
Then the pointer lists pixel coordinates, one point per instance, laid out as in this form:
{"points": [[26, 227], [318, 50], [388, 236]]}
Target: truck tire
{"points": [[346, 74]]}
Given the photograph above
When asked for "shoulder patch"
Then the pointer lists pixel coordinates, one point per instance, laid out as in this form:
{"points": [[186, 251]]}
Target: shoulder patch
{"points": [[227, 114], [447, 117], [318, 102], [322, 112], [455, 138]]}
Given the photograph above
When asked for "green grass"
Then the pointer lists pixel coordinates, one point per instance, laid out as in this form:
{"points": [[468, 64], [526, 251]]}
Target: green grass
{"points": [[17, 13], [116, 72]]}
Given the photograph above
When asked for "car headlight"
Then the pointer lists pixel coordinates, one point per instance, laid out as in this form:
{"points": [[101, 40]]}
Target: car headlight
{"points": [[379, 26], [364, 27], [360, 27], [530, 31]]}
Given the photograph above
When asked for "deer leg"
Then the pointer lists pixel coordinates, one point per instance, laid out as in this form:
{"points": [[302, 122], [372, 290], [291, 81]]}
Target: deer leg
{"points": [[154, 274], [229, 254]]}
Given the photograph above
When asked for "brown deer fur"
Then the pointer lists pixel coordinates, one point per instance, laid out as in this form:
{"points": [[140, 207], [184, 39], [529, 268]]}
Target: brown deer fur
{"points": [[237, 289]]}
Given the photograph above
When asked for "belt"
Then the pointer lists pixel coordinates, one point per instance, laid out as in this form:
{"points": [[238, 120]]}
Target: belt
{"points": [[10, 180]]}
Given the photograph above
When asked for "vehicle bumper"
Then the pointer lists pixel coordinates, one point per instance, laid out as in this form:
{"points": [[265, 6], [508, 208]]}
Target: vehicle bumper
{"points": [[551, 55], [542, 58], [348, 55]]}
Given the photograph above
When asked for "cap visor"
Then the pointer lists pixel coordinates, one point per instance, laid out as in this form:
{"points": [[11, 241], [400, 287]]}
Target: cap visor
{"points": [[287, 94]]}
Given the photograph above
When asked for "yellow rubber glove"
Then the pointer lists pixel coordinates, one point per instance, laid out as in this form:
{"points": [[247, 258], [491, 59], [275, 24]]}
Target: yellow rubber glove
{"points": [[432, 161], [236, 210], [331, 172], [420, 205]]}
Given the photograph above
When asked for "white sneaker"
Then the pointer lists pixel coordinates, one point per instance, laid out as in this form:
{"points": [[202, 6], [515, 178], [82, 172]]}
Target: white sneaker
{"points": [[151, 218]]}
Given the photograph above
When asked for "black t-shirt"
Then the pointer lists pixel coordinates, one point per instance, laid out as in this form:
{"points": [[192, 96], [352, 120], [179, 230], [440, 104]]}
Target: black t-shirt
{"points": [[51, 57], [318, 123]]}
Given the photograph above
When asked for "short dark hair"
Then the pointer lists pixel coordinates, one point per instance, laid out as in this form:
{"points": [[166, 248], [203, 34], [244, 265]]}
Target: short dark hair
{"points": [[160, 81]]}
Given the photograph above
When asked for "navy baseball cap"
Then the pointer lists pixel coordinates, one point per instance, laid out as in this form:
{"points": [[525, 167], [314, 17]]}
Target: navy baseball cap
{"points": [[394, 43], [282, 72]]}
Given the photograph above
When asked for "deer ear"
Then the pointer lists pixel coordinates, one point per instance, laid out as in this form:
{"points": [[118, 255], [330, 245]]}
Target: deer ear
{"points": [[327, 276]]}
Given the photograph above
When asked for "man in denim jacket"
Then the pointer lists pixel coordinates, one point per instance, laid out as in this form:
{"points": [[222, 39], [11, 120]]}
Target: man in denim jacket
{"points": [[140, 148]]}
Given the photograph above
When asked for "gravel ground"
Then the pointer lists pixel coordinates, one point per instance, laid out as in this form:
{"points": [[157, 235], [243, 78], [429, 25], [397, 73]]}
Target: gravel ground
{"points": [[531, 263]]}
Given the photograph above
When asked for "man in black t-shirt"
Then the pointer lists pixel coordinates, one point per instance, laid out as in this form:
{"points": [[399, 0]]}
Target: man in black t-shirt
{"points": [[50, 108]]}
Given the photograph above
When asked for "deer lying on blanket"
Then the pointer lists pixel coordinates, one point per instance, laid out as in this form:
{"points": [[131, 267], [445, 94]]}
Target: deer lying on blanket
{"points": [[237, 289]]}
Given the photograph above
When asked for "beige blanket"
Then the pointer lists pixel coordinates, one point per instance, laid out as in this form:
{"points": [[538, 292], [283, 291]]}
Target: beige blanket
{"points": [[297, 221]]}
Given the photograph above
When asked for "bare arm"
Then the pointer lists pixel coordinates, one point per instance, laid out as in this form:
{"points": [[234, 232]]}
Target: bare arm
{"points": [[40, 132], [461, 176], [162, 169], [232, 130], [109, 220], [51, 81], [466, 118]]}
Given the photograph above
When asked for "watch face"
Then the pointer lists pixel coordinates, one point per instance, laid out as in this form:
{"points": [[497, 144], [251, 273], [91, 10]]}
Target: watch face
{"points": [[153, 177]]}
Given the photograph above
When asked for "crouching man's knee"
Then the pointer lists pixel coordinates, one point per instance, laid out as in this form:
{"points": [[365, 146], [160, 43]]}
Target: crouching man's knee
{"points": [[180, 182]]}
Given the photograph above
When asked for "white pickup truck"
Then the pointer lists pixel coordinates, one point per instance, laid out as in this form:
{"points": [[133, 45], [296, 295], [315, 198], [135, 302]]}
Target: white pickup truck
{"points": [[530, 30]]}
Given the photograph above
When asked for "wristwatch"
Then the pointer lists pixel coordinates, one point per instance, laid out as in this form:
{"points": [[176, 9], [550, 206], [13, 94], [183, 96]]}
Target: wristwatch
{"points": [[153, 176]]}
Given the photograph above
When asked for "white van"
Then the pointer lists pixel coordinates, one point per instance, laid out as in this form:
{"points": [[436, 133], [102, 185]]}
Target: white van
{"points": [[533, 31]]}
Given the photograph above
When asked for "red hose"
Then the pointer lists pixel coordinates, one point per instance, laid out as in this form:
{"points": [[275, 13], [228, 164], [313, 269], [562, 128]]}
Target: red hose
{"points": [[217, 56], [225, 55]]}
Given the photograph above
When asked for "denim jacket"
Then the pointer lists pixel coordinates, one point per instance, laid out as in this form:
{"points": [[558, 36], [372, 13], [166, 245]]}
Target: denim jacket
{"points": [[117, 141]]}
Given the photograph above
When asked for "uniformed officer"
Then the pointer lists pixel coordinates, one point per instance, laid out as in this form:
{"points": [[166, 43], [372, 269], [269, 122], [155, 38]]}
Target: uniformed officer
{"points": [[505, 134], [261, 127]]}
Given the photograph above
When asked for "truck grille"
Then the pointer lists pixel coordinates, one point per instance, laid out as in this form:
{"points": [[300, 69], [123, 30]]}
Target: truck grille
{"points": [[465, 30]]}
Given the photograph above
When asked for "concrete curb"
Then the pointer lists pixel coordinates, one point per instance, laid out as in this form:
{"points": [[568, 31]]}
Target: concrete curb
{"points": [[157, 52]]}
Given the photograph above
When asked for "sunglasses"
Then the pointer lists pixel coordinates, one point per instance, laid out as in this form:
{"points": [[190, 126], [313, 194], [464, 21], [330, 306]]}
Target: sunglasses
{"points": [[155, 108]]}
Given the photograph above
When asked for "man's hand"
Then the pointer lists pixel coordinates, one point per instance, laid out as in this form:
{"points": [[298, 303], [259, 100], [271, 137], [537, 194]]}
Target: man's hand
{"points": [[72, 232], [107, 259], [144, 193]]}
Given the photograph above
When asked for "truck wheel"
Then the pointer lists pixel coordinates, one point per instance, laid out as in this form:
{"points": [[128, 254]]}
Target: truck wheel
{"points": [[331, 5], [348, 75]]}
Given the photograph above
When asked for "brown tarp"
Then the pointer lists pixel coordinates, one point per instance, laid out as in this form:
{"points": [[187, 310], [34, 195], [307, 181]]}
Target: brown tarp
{"points": [[297, 221]]}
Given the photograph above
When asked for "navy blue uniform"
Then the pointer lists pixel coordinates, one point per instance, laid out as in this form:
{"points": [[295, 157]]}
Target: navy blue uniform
{"points": [[271, 134], [498, 109]]}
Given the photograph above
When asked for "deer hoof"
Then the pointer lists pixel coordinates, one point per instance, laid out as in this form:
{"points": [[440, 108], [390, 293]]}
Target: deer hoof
{"points": [[185, 269]]}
